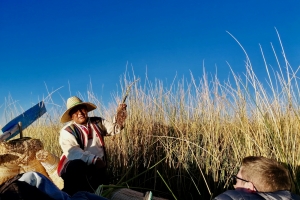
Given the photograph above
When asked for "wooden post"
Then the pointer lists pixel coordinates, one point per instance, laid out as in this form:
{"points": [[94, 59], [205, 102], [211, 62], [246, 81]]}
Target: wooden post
{"points": [[20, 129]]}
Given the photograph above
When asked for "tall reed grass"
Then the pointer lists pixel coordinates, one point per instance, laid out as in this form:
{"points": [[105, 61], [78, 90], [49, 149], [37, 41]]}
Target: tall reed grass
{"points": [[187, 138]]}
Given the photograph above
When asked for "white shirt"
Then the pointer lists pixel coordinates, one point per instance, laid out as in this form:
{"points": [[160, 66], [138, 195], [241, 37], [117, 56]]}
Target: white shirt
{"points": [[92, 149]]}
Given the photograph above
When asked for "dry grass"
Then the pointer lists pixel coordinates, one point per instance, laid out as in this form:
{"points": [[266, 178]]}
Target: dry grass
{"points": [[202, 127]]}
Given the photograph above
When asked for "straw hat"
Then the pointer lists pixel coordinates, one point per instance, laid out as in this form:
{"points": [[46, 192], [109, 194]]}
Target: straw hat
{"points": [[71, 103]]}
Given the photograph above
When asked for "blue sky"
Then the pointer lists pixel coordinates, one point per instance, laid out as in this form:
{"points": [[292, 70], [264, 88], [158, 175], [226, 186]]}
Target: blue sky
{"points": [[53, 44]]}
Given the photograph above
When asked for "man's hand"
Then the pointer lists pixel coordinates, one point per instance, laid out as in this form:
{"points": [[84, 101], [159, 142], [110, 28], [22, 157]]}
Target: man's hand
{"points": [[122, 106], [100, 163], [121, 114]]}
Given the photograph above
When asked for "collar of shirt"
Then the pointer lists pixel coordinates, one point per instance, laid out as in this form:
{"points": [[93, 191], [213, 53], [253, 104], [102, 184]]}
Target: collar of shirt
{"points": [[86, 129]]}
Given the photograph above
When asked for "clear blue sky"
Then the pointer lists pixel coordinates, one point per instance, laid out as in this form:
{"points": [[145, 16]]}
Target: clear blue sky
{"points": [[57, 43]]}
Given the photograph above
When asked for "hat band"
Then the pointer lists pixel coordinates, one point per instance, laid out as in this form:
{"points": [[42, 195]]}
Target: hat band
{"points": [[73, 105]]}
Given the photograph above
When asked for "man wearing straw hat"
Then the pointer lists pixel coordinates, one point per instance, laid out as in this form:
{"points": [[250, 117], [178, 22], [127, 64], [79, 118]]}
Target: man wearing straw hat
{"points": [[83, 163]]}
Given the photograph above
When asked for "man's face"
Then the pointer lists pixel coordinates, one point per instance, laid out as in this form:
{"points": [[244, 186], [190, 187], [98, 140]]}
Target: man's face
{"points": [[243, 184], [239, 182], [79, 114]]}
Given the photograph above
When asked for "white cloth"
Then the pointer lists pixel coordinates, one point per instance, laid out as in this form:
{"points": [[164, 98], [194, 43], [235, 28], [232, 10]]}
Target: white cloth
{"points": [[44, 184]]}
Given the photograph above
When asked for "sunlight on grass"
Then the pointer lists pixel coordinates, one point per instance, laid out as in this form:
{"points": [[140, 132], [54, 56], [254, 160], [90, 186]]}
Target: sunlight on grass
{"points": [[202, 127]]}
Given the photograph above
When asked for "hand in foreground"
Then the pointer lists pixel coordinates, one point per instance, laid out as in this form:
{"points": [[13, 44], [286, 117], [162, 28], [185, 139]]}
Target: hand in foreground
{"points": [[100, 163]]}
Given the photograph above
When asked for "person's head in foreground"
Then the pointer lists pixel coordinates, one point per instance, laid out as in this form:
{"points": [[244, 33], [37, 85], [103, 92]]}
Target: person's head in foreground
{"points": [[260, 178], [262, 174]]}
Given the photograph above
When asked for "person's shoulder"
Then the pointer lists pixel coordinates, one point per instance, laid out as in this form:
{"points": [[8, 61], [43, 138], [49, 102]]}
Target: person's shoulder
{"points": [[238, 194], [95, 119], [282, 194], [66, 125], [295, 197]]}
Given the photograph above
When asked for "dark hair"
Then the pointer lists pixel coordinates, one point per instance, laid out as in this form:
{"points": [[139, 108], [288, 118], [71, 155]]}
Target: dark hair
{"points": [[267, 175]]}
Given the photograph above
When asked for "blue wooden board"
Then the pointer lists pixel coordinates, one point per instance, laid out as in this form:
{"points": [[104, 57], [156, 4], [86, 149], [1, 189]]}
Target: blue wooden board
{"points": [[26, 118]]}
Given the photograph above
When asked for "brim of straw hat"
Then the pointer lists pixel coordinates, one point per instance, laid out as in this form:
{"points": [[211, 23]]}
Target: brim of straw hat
{"points": [[66, 117]]}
